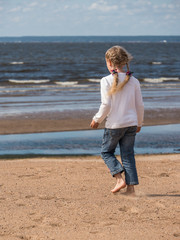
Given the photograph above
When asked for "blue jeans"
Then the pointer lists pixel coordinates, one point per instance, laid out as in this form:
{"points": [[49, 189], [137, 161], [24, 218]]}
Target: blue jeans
{"points": [[125, 137]]}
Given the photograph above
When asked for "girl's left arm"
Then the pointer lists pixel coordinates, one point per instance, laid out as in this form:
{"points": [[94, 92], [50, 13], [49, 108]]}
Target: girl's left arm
{"points": [[139, 107]]}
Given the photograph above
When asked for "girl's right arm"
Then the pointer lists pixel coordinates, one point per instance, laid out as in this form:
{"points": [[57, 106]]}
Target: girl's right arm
{"points": [[138, 129], [94, 124], [105, 102]]}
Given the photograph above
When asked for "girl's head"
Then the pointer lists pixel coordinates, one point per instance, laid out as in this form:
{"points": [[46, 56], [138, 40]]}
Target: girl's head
{"points": [[116, 58]]}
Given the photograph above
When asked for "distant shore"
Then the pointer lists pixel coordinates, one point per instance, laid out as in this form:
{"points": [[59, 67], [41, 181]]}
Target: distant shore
{"points": [[73, 120]]}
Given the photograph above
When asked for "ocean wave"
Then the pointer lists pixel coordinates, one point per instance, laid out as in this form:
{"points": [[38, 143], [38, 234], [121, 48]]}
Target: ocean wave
{"points": [[94, 80], [161, 85], [160, 80], [67, 83], [157, 63], [14, 91], [16, 63], [28, 81]]}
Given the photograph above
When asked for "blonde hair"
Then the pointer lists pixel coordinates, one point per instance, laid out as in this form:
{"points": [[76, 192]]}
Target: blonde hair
{"points": [[119, 57]]}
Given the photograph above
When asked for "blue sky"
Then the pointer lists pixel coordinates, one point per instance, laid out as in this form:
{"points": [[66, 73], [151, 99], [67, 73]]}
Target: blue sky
{"points": [[89, 17]]}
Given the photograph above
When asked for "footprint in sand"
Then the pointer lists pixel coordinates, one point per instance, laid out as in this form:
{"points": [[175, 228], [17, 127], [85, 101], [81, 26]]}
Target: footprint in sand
{"points": [[2, 199], [111, 221], [29, 196], [106, 224], [22, 237], [49, 170], [20, 203], [176, 234], [38, 219], [94, 232], [89, 221], [32, 213], [51, 222], [29, 227], [163, 175], [55, 222], [45, 197], [123, 209], [134, 210], [27, 175], [2, 235], [32, 176], [160, 205], [39, 176]]}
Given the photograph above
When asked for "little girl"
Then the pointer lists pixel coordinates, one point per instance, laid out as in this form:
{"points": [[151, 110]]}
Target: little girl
{"points": [[121, 103]]}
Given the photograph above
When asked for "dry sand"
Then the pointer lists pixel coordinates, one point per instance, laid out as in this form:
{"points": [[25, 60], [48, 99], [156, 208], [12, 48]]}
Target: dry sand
{"points": [[70, 198]]}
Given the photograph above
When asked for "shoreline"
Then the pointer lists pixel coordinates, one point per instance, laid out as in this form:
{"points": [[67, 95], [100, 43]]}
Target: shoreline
{"points": [[70, 198], [83, 157], [74, 121]]}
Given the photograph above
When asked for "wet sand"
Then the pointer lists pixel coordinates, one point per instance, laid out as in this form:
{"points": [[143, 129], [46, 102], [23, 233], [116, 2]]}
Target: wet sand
{"points": [[70, 198], [73, 120]]}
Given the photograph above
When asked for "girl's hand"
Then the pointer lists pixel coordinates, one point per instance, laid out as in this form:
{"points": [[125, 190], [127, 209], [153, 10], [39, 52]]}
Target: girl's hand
{"points": [[94, 124], [138, 129]]}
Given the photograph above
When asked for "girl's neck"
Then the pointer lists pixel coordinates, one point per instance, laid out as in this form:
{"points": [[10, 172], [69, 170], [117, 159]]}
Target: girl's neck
{"points": [[120, 70]]}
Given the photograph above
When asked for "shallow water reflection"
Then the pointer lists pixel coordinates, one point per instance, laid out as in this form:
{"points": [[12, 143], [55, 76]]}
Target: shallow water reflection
{"points": [[151, 140]]}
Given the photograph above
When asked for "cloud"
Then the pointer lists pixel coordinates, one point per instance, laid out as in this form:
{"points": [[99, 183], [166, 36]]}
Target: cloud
{"points": [[44, 5], [66, 7], [27, 9], [102, 6], [171, 6], [167, 17], [170, 17], [1, 8], [16, 19], [33, 4], [15, 9], [62, 8]]}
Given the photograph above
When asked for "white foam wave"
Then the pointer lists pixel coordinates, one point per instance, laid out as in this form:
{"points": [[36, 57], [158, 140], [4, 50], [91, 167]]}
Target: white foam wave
{"points": [[28, 81], [16, 62], [156, 63], [66, 83], [160, 80], [94, 80], [82, 86]]}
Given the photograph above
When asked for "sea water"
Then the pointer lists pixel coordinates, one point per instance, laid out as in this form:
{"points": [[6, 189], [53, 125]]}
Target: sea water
{"points": [[57, 74]]}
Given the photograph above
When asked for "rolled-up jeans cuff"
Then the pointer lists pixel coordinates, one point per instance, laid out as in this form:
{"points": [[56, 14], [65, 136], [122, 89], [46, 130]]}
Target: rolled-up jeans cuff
{"points": [[117, 171]]}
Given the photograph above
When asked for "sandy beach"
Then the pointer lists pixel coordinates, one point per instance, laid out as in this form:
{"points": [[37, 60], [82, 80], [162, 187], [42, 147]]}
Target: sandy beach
{"points": [[69, 198]]}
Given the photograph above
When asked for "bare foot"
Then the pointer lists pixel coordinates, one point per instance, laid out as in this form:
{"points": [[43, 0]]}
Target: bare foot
{"points": [[130, 190], [119, 185]]}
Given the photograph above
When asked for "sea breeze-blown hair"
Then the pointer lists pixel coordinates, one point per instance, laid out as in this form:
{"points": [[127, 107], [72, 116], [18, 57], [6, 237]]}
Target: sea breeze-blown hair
{"points": [[119, 57]]}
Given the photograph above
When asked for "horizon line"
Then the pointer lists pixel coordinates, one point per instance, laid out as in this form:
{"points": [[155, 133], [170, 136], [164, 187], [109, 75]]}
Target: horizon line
{"points": [[90, 36]]}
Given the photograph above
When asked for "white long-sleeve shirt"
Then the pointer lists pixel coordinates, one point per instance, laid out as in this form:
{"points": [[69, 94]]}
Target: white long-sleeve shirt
{"points": [[122, 109]]}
